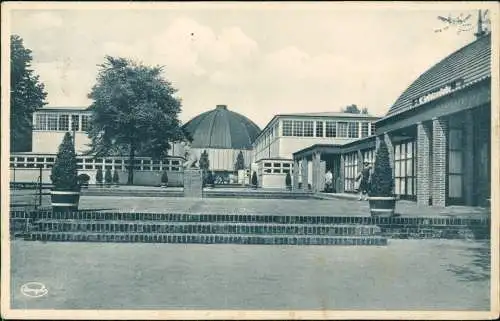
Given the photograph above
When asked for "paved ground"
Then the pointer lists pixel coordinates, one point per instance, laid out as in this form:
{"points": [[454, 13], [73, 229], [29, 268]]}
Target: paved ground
{"points": [[406, 274], [344, 204]]}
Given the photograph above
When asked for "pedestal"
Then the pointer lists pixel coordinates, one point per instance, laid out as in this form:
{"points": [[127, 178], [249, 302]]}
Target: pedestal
{"points": [[193, 183]]}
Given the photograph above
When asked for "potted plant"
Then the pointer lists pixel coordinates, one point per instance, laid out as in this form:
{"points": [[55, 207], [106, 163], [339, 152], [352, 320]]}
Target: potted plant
{"points": [[98, 177], [116, 178], [108, 177], [381, 198], [254, 180], [164, 179], [288, 181], [65, 193]]}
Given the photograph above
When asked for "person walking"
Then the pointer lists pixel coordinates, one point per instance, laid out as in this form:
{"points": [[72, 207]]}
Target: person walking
{"points": [[328, 182], [364, 180]]}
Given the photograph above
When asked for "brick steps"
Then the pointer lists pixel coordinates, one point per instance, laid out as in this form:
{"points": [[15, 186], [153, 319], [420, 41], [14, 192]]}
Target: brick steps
{"points": [[59, 225], [205, 238]]}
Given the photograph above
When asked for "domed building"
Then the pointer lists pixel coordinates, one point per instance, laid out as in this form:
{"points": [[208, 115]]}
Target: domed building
{"points": [[223, 134]]}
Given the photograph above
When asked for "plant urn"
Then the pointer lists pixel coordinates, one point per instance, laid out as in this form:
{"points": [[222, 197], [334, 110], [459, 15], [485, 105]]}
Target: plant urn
{"points": [[64, 200], [382, 206]]}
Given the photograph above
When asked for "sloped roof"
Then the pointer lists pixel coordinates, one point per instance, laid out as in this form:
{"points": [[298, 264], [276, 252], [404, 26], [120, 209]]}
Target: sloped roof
{"points": [[221, 128], [468, 65], [330, 114]]}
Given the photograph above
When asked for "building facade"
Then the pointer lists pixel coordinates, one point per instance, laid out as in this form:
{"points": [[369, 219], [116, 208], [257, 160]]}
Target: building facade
{"points": [[438, 133]]}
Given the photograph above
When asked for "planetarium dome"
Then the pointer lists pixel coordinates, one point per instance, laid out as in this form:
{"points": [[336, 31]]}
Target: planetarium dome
{"points": [[222, 128], [222, 134]]}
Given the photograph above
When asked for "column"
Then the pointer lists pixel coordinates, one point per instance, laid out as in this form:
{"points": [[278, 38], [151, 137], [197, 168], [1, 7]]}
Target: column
{"points": [[468, 168], [316, 172], [295, 182], [341, 175], [360, 161], [439, 146], [423, 163], [304, 174]]}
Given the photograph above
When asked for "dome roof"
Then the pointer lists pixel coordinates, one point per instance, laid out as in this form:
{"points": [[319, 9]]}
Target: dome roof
{"points": [[222, 128], [463, 68]]}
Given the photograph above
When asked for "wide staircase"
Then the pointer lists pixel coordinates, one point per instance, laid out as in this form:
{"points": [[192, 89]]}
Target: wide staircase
{"points": [[199, 228]]}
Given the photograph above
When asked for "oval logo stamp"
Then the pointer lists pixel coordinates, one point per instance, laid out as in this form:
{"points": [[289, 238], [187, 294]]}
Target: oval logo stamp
{"points": [[34, 289]]}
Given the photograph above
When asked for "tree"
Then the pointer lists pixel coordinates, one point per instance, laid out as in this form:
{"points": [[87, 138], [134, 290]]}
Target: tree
{"points": [[98, 177], [254, 179], [204, 162], [27, 94], [116, 177], [240, 162], [133, 109], [164, 178], [64, 173], [382, 182], [108, 177]]}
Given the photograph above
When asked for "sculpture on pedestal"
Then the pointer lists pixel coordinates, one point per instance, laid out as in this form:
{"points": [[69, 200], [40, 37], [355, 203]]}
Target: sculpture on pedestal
{"points": [[191, 158]]}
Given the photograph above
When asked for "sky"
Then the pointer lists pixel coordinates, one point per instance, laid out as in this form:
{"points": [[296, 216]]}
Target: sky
{"points": [[259, 60]]}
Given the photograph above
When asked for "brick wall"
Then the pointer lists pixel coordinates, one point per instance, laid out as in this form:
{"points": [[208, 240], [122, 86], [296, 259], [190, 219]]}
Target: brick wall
{"points": [[439, 168], [423, 163]]}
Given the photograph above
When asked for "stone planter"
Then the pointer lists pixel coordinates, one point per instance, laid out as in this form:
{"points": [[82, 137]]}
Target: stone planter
{"points": [[382, 206], [64, 201]]}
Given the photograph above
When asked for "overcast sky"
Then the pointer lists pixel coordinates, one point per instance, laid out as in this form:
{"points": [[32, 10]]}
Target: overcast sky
{"points": [[259, 61]]}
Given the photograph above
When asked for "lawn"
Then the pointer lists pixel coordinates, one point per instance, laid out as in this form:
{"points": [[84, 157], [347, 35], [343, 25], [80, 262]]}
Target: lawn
{"points": [[405, 275]]}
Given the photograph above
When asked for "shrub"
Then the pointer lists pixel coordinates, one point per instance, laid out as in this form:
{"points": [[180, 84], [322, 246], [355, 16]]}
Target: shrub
{"points": [[164, 178], [64, 172], [254, 179], [98, 177], [83, 179], [288, 180], [382, 182], [116, 177], [108, 178]]}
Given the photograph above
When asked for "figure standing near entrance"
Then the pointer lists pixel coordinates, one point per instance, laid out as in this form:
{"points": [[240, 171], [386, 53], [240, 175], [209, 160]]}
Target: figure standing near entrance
{"points": [[329, 182], [364, 181]]}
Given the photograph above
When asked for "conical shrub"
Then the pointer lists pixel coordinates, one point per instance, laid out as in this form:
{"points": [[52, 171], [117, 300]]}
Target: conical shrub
{"points": [[64, 173], [382, 182]]}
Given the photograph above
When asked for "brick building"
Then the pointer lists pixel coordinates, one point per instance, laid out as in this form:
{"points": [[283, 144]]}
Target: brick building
{"points": [[438, 133]]}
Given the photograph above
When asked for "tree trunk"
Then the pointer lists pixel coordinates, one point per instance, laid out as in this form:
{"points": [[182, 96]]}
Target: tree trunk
{"points": [[131, 165]]}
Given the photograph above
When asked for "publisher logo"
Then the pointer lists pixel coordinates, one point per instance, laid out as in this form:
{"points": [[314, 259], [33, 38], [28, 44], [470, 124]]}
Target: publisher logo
{"points": [[34, 289]]}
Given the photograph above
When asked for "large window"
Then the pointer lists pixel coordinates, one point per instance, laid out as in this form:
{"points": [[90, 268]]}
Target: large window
{"points": [[331, 129], [342, 130], [364, 129], [75, 124], [41, 122], [308, 128], [455, 161], [350, 171], [319, 129], [369, 156], [52, 121], [85, 123], [372, 129], [287, 128], [404, 169], [353, 130], [298, 128], [63, 122]]}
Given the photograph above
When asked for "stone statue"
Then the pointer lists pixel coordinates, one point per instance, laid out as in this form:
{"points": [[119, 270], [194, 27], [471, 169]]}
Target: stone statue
{"points": [[191, 158]]}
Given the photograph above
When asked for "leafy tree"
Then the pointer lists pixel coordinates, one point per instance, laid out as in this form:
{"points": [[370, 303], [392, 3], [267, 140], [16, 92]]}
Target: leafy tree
{"points": [[98, 176], [133, 109], [382, 182], [116, 177], [240, 161], [108, 177], [64, 173], [204, 162], [27, 94]]}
